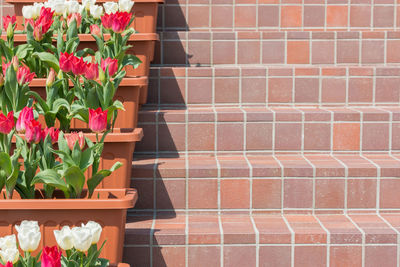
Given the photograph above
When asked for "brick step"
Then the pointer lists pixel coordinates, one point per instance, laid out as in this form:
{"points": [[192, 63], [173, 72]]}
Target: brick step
{"points": [[278, 15], [269, 129], [263, 240], [258, 182], [266, 47], [274, 85]]}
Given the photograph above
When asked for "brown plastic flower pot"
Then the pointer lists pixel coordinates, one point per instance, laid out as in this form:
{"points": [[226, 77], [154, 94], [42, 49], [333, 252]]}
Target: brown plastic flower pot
{"points": [[128, 93], [145, 12], [108, 207]]}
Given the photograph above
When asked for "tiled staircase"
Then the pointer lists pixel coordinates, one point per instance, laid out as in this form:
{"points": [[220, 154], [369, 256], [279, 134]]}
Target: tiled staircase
{"points": [[272, 136]]}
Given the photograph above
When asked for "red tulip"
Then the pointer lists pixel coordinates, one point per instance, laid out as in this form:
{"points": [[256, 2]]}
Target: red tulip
{"points": [[95, 30], [66, 61], [120, 20], [74, 137], [78, 66], [74, 16], [24, 118], [97, 120], [8, 264], [24, 75], [33, 133], [7, 20], [106, 20], [43, 23], [92, 71], [5, 67], [51, 257], [6, 123], [112, 65], [53, 132]]}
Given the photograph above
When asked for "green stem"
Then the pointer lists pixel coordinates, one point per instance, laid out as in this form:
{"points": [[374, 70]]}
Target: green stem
{"points": [[81, 259]]}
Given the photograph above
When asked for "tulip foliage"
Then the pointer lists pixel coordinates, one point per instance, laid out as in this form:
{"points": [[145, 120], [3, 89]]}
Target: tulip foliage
{"points": [[79, 245]]}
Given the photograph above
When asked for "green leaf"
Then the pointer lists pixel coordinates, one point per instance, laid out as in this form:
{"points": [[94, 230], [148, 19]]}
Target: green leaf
{"points": [[22, 50], [75, 178], [49, 58], [96, 179], [61, 103], [72, 31], [40, 100], [131, 60], [51, 177], [5, 163]]}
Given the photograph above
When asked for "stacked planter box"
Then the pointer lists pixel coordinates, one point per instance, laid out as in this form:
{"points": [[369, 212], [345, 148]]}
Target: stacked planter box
{"points": [[110, 204]]}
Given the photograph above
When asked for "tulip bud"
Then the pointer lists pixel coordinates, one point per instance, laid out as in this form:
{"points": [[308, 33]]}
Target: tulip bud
{"points": [[15, 62], [38, 34], [95, 30], [10, 30], [51, 78], [1, 79], [102, 76], [60, 75]]}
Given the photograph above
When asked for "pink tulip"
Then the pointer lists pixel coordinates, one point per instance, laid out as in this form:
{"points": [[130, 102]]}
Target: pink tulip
{"points": [[8, 264], [78, 66], [106, 20], [24, 118], [112, 65], [97, 120], [95, 30], [5, 67], [33, 133], [120, 20], [66, 61], [74, 137], [6, 123], [74, 16], [51, 257], [24, 75], [92, 71], [53, 132], [7, 20]]}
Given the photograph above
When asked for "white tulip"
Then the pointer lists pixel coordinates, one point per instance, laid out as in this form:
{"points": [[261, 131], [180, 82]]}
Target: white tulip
{"points": [[28, 12], [28, 224], [59, 7], [10, 255], [110, 7], [36, 9], [88, 3], [125, 5], [96, 230], [72, 7], [9, 241], [82, 238], [81, 8], [64, 238], [29, 239], [96, 11]]}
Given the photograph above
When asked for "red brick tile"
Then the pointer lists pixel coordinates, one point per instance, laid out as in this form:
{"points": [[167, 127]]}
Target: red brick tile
{"points": [[171, 168], [233, 166], [235, 194], [307, 229], [298, 52], [346, 136], [253, 90], [323, 52], [201, 137], [280, 90], [295, 166], [314, 16], [237, 229], [169, 256], [239, 256], [333, 90], [174, 52], [199, 52], [317, 136], [149, 140], [389, 193], [266, 193], [264, 166], [383, 16], [358, 166], [341, 229], [198, 16], [226, 90], [224, 52], [170, 194], [171, 19], [347, 51], [310, 256], [245, 16], [360, 16], [345, 256], [138, 230], [272, 256], [218, 21], [298, 193], [139, 256], [145, 189], [259, 136], [376, 230], [329, 193], [268, 16], [288, 136], [392, 48], [203, 167], [345, 114], [361, 193], [171, 137], [273, 52], [248, 52], [272, 229], [326, 166], [229, 137], [204, 256], [199, 91], [375, 136], [387, 90], [372, 51], [380, 256], [169, 231], [307, 90], [395, 136], [336, 16], [197, 189], [204, 229], [387, 164], [291, 16]]}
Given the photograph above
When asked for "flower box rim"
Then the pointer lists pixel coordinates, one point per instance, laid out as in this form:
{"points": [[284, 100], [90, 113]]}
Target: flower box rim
{"points": [[87, 37], [98, 1], [126, 82]]}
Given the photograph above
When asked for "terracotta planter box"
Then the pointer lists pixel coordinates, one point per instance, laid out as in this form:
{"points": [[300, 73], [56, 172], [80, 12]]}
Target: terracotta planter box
{"points": [[108, 208], [145, 12], [128, 93]]}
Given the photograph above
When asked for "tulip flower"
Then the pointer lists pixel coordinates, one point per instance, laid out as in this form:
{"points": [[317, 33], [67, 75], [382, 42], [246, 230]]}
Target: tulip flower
{"points": [[97, 120], [110, 7], [82, 238], [7, 20], [88, 3], [6, 123], [75, 16], [43, 23], [28, 235], [51, 257], [58, 6], [96, 231], [64, 238], [9, 255], [33, 133], [24, 75], [106, 20], [66, 61], [120, 20], [28, 12], [8, 264], [78, 66], [5, 67], [53, 132], [24, 118], [125, 5], [15, 62], [92, 71], [9, 241], [74, 137], [112, 65], [95, 30], [72, 7], [96, 11], [1, 79]]}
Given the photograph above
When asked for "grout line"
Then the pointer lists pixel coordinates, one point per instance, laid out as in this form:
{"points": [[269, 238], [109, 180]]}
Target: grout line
{"points": [[292, 240], [363, 236], [378, 182], [397, 237], [222, 241], [257, 241], [328, 241]]}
